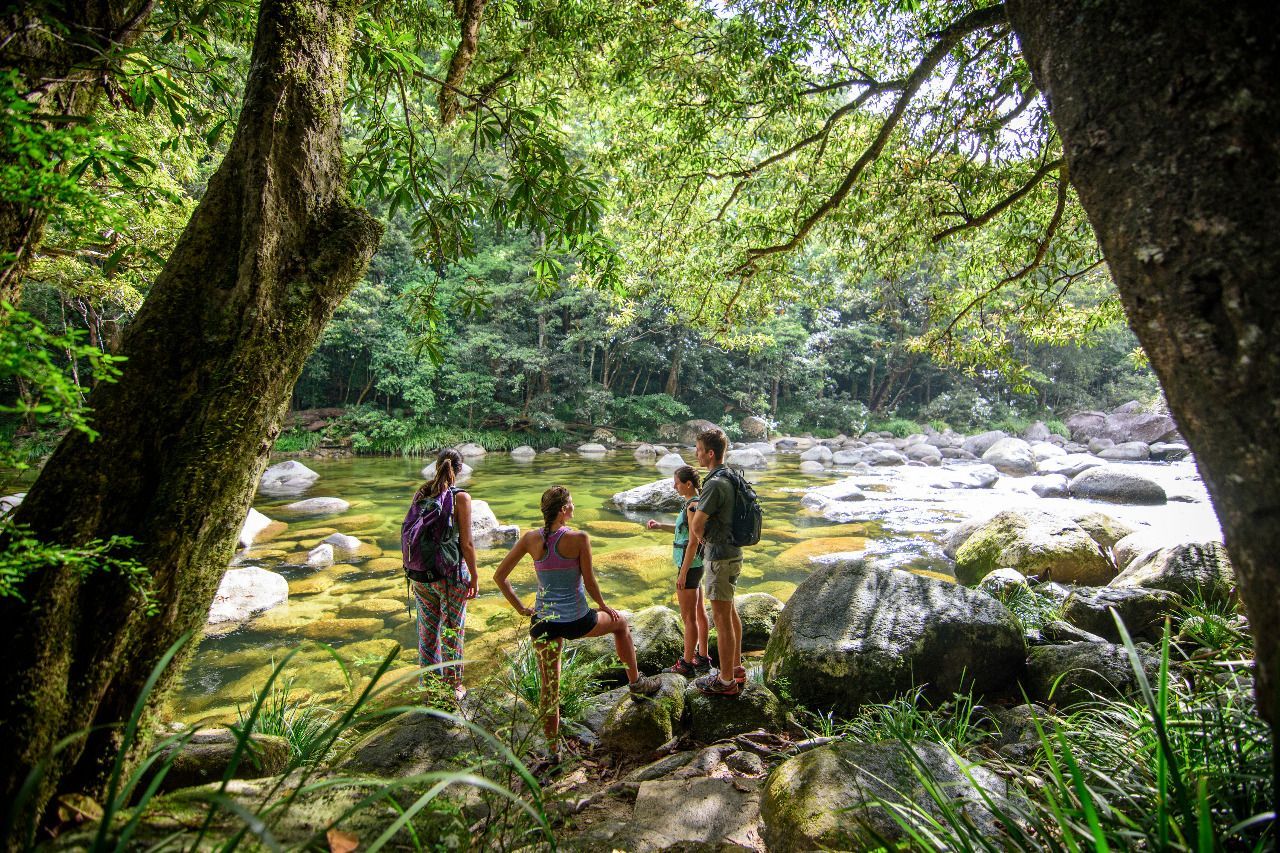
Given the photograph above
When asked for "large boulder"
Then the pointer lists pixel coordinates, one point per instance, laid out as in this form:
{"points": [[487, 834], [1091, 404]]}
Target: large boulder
{"points": [[1142, 610], [637, 727], [853, 634], [844, 490], [1068, 465], [1035, 543], [1081, 672], [1129, 451], [471, 450], [1191, 569], [658, 635], [714, 814], [486, 531], [1147, 428], [759, 612], [9, 503], [524, 453], [646, 452], [244, 592], [1142, 543], [968, 477], [817, 454], [1169, 451], [409, 744], [592, 448], [1086, 425], [810, 467], [1114, 484], [286, 479], [926, 453], [1011, 456], [827, 798], [979, 444], [754, 427], [1050, 486], [1036, 432], [746, 457], [712, 718], [658, 496], [689, 432], [208, 754], [1102, 528], [1044, 450]]}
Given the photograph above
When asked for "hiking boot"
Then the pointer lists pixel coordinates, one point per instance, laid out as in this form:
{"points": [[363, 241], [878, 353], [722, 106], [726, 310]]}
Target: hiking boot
{"points": [[645, 685], [682, 667], [713, 686], [701, 663], [739, 674]]}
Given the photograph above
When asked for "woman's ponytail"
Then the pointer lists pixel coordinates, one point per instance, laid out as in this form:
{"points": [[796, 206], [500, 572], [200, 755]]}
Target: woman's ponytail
{"points": [[448, 467]]}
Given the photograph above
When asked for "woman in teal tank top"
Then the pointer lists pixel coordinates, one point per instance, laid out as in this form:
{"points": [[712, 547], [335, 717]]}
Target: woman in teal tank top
{"points": [[562, 561], [686, 553]]}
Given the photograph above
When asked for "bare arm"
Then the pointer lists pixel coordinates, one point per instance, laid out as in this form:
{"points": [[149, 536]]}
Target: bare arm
{"points": [[658, 525], [589, 576], [463, 511], [690, 550], [514, 556], [698, 525]]}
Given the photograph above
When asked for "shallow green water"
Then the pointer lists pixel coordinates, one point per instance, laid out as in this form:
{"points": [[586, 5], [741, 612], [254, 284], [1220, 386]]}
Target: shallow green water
{"points": [[360, 607]]}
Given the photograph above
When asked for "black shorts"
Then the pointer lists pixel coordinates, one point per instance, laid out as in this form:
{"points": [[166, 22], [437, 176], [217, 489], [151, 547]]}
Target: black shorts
{"points": [[693, 579], [551, 630]]}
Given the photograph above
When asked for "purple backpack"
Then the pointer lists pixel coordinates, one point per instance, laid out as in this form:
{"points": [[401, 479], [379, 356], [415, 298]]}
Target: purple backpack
{"points": [[428, 552]]}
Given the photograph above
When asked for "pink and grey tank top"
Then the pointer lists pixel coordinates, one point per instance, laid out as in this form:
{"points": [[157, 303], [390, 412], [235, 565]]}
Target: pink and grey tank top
{"points": [[561, 595]]}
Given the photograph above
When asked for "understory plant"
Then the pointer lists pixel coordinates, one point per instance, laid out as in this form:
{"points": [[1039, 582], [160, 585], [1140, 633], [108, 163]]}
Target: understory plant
{"points": [[579, 679], [303, 724], [514, 814], [1032, 609], [1184, 765]]}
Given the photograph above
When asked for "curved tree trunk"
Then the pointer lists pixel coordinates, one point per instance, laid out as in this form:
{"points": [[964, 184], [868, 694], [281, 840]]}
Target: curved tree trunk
{"points": [[60, 52], [213, 356], [1168, 116]]}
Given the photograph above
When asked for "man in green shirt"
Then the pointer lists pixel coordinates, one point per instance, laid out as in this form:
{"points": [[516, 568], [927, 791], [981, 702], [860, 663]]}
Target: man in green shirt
{"points": [[712, 524]]}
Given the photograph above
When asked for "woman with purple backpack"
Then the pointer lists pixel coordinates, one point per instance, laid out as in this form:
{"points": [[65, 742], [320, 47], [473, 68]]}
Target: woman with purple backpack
{"points": [[442, 603]]}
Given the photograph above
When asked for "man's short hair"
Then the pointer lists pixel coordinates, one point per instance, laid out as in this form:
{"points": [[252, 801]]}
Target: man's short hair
{"points": [[715, 440]]}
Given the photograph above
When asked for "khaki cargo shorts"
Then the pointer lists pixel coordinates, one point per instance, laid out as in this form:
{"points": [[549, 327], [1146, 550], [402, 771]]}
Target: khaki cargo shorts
{"points": [[721, 578]]}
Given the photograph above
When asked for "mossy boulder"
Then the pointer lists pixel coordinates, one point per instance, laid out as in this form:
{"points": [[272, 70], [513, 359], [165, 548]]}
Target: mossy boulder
{"points": [[826, 798], [759, 612], [1035, 543], [658, 635], [1082, 672], [713, 718], [384, 564], [636, 727], [1102, 528], [1143, 611], [411, 743], [1191, 569], [853, 634], [206, 757]]}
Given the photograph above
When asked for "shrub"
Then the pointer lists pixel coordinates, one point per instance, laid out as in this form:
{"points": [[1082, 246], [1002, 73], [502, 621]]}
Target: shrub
{"points": [[900, 427]]}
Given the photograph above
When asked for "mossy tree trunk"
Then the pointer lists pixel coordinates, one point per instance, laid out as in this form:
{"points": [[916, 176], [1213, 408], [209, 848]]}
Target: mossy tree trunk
{"points": [[213, 356], [60, 52], [1168, 116]]}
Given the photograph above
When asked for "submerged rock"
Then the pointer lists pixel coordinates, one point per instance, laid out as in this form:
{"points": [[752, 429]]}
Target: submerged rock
{"points": [[317, 507], [523, 453], [257, 527], [207, 756], [853, 634]]}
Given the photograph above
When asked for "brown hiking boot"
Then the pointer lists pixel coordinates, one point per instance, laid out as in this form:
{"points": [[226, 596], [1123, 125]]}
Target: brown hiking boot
{"points": [[645, 685]]}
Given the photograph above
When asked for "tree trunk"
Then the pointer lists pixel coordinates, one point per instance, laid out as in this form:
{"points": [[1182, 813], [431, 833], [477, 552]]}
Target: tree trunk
{"points": [[60, 52], [213, 356], [673, 375], [1168, 116]]}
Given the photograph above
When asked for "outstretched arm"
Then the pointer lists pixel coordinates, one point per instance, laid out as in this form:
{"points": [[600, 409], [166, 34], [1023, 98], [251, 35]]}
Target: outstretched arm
{"points": [[514, 556]]}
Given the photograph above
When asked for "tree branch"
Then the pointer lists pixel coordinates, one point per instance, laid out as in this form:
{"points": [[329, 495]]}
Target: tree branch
{"points": [[1002, 205], [947, 40], [470, 14]]}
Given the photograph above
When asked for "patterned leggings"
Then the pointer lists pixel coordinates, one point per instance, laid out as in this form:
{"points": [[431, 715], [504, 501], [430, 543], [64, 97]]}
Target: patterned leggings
{"points": [[442, 625]]}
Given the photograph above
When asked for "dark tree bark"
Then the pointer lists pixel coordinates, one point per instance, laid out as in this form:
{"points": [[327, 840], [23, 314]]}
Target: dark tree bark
{"points": [[213, 356], [61, 52], [1168, 116]]}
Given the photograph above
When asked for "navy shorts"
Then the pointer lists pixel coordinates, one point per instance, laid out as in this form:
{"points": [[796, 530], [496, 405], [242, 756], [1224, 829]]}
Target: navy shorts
{"points": [[550, 630]]}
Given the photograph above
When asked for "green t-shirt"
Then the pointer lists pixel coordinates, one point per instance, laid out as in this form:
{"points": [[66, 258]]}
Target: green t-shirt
{"points": [[716, 501]]}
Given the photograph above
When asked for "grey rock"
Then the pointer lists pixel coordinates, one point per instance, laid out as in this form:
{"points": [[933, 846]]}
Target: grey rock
{"points": [[1191, 569], [523, 453], [1130, 451], [658, 635], [1011, 456], [745, 763], [487, 531], [1169, 451], [968, 477], [659, 496], [708, 814], [817, 454], [853, 634], [285, 479], [1102, 528], [1086, 425], [759, 612], [755, 427], [1043, 450], [1081, 672], [1069, 465], [809, 467], [960, 534], [668, 464], [342, 542], [958, 454], [1036, 432], [254, 523], [1139, 426], [413, 742], [1051, 486], [926, 453], [844, 490], [979, 444], [207, 755], [592, 448], [320, 556], [689, 432], [245, 592], [1034, 542], [1058, 631], [1143, 611], [646, 453], [746, 458], [471, 450], [1002, 581], [1111, 483]]}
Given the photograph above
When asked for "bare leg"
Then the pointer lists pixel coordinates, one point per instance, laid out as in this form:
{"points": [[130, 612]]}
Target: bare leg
{"points": [[726, 638], [737, 637], [606, 624], [548, 652], [700, 610], [689, 612]]}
